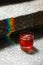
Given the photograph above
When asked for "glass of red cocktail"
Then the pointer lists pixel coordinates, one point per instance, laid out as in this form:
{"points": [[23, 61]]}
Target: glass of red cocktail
{"points": [[26, 41]]}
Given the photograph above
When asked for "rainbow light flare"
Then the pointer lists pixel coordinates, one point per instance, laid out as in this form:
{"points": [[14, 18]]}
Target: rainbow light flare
{"points": [[10, 28]]}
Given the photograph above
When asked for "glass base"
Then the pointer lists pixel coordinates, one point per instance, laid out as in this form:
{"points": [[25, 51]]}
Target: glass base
{"points": [[27, 49]]}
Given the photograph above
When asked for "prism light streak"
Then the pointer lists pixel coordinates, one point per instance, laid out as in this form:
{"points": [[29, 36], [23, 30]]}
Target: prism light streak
{"points": [[10, 29]]}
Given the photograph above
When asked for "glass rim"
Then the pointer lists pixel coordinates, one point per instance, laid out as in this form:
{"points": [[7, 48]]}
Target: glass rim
{"points": [[27, 33], [30, 33]]}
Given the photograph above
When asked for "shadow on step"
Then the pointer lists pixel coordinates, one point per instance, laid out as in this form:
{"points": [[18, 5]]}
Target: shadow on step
{"points": [[4, 42], [7, 2]]}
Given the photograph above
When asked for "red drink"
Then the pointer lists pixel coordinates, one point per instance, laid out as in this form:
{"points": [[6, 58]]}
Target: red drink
{"points": [[26, 42]]}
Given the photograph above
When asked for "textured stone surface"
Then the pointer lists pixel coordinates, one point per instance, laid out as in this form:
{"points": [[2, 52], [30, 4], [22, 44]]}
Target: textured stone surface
{"points": [[12, 55]]}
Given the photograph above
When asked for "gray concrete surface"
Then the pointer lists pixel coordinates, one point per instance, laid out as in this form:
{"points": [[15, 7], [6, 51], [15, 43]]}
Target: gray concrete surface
{"points": [[13, 55]]}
